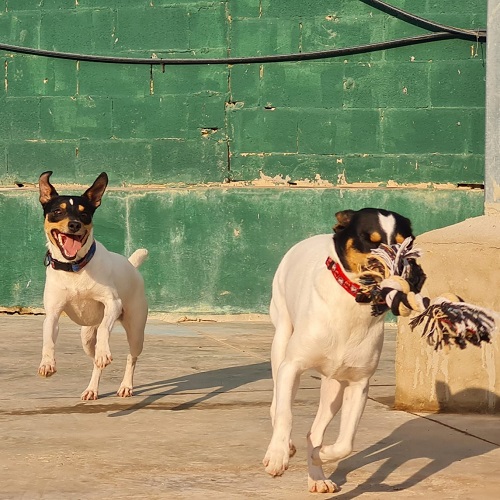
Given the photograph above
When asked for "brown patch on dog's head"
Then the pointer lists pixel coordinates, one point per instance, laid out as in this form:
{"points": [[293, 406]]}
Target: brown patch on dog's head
{"points": [[68, 219], [354, 258], [359, 232]]}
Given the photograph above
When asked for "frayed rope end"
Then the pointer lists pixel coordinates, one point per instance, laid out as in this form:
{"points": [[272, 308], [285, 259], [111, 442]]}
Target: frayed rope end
{"points": [[457, 323], [392, 279]]}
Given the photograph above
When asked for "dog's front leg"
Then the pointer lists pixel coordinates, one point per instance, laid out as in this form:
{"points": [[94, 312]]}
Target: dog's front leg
{"points": [[112, 311], [331, 395], [278, 452], [47, 366], [354, 401]]}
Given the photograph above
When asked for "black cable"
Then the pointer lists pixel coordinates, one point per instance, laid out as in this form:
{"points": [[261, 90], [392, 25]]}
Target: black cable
{"points": [[300, 56], [479, 35], [441, 32]]}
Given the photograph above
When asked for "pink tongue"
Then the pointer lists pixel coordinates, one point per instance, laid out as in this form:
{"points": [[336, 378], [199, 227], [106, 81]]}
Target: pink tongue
{"points": [[71, 246]]}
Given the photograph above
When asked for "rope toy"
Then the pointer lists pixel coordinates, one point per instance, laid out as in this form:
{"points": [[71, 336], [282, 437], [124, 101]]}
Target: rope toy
{"points": [[392, 279]]}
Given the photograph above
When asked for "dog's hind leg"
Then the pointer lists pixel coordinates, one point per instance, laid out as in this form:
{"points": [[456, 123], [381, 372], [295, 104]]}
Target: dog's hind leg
{"points": [[89, 336], [354, 401], [331, 394], [284, 330], [134, 326], [278, 452]]}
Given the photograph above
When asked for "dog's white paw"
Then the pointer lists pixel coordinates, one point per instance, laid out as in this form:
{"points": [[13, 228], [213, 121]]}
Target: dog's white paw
{"points": [[47, 368], [89, 395], [103, 359], [124, 391], [276, 461], [321, 485]]}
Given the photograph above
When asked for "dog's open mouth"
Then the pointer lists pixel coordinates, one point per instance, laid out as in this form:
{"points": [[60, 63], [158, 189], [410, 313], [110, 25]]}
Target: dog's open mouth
{"points": [[69, 244]]}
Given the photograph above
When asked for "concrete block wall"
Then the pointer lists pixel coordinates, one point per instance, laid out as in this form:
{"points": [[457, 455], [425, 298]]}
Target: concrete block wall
{"points": [[199, 157], [409, 115]]}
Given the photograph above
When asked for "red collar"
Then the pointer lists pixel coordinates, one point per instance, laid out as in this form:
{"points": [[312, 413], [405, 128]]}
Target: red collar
{"points": [[341, 278]]}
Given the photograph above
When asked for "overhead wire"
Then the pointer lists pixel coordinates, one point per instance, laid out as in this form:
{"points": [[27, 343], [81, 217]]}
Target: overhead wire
{"points": [[439, 32], [299, 56], [478, 35]]}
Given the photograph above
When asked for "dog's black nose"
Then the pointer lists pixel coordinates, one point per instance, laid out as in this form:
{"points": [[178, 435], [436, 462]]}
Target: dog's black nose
{"points": [[74, 226]]}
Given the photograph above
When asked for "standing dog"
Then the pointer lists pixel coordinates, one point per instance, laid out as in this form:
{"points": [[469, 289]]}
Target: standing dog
{"points": [[320, 325], [93, 286]]}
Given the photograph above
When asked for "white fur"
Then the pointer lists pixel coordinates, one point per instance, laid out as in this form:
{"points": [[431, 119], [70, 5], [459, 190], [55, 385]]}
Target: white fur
{"points": [[318, 325], [107, 289], [388, 224]]}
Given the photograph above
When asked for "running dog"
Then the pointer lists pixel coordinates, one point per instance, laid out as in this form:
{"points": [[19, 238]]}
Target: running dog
{"points": [[93, 286], [320, 325]]}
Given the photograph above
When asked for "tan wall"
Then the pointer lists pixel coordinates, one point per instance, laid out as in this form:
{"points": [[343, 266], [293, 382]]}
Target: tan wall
{"points": [[463, 259]]}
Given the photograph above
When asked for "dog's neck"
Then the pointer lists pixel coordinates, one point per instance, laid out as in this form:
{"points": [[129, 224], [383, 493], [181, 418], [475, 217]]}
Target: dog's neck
{"points": [[340, 270], [337, 253], [341, 278], [56, 254]]}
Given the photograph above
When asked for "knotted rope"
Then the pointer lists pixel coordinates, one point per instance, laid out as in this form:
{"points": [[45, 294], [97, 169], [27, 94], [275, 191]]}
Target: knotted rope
{"points": [[392, 279]]}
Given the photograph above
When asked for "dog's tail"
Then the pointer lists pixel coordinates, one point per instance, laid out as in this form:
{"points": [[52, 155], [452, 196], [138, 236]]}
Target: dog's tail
{"points": [[138, 257]]}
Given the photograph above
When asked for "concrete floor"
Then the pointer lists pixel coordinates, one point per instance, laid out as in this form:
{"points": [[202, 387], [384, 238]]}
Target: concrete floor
{"points": [[198, 424]]}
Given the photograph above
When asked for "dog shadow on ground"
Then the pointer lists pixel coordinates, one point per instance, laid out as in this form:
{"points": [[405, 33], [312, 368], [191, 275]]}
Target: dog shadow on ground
{"points": [[202, 386], [412, 442]]}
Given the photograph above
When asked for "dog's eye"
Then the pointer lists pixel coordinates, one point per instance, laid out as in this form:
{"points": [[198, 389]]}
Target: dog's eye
{"points": [[85, 218], [57, 211], [369, 237]]}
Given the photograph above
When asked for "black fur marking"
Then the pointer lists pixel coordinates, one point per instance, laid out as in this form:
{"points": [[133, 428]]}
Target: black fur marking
{"points": [[60, 208], [358, 226]]}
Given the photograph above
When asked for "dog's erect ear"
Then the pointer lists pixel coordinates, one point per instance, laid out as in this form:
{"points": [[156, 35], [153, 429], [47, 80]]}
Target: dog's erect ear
{"points": [[47, 190], [344, 218], [94, 193]]}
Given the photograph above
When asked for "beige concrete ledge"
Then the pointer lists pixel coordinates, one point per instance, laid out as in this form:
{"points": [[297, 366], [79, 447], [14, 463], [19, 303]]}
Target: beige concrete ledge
{"points": [[463, 259]]}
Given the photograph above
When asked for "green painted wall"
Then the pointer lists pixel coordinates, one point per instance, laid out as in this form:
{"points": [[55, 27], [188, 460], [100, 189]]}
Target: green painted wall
{"points": [[174, 138], [411, 114], [212, 250]]}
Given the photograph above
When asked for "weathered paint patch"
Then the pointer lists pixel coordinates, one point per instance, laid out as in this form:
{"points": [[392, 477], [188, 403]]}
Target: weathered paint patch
{"points": [[211, 250]]}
